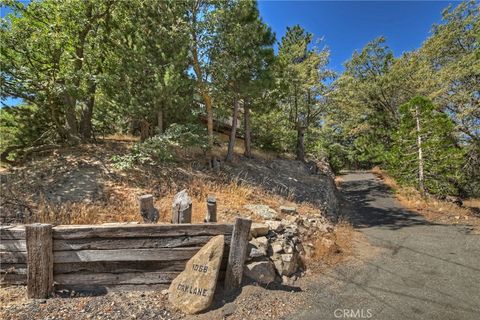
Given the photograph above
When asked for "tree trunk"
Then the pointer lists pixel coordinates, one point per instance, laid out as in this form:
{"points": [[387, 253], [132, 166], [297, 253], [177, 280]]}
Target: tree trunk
{"points": [[233, 131], [144, 130], [300, 143], [71, 118], [421, 177], [246, 127], [86, 129], [200, 82], [160, 120], [208, 103]]}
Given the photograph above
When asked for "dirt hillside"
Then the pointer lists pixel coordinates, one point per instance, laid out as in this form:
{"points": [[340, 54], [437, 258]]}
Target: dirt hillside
{"points": [[82, 185]]}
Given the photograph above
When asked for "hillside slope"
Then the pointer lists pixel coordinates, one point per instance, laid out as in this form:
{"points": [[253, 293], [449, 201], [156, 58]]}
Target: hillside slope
{"points": [[82, 185]]}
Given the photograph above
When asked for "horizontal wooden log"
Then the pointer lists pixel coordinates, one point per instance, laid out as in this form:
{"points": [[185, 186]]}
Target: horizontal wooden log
{"points": [[97, 278], [13, 279], [120, 266], [12, 232], [131, 243], [13, 257], [125, 266], [160, 254], [13, 268], [103, 289], [144, 230], [13, 245]]}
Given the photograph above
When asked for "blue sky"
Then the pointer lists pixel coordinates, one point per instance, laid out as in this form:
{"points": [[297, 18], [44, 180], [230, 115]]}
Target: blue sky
{"points": [[348, 25]]}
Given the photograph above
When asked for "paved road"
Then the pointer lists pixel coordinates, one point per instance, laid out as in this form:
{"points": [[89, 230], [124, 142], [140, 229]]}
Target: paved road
{"points": [[419, 270]]}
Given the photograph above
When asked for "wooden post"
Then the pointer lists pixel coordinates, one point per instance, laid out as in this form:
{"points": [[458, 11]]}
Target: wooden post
{"points": [[238, 252], [39, 260], [211, 209], [147, 210], [182, 208], [215, 164]]}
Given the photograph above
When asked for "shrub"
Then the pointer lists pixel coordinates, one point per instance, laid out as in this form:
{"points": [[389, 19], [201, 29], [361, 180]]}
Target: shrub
{"points": [[161, 147]]}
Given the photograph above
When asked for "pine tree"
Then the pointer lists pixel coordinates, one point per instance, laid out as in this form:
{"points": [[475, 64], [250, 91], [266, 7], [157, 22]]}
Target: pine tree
{"points": [[424, 152], [301, 72]]}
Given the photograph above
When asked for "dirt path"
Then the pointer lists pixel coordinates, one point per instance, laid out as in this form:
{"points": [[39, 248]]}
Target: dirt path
{"points": [[419, 270]]}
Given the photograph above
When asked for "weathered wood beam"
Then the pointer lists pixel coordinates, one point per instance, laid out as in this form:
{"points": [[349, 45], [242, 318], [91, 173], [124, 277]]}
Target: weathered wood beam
{"points": [[119, 266], [182, 208], [112, 288], [13, 268], [13, 279], [211, 209], [131, 243], [13, 245], [147, 210], [159, 254], [97, 278], [39, 260], [13, 257], [136, 231], [237, 254], [12, 232]]}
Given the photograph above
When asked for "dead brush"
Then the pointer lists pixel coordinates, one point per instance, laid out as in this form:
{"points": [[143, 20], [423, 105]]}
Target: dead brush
{"points": [[84, 213], [331, 249], [430, 207], [231, 197]]}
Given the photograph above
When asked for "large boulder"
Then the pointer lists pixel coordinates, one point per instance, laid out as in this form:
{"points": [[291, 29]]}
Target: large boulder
{"points": [[286, 264], [275, 226], [257, 247], [258, 230], [192, 290], [261, 271], [288, 210], [262, 210]]}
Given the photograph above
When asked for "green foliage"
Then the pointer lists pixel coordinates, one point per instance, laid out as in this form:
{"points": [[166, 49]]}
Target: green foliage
{"points": [[52, 55], [301, 72], [145, 67], [23, 126], [87, 68], [442, 158], [365, 117], [162, 147], [273, 132], [187, 136]]}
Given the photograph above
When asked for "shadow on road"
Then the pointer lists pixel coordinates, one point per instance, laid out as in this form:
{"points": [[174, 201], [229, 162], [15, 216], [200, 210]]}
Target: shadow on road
{"points": [[369, 203]]}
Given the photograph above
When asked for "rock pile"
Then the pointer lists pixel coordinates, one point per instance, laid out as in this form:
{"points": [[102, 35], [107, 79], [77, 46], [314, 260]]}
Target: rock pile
{"points": [[276, 249]]}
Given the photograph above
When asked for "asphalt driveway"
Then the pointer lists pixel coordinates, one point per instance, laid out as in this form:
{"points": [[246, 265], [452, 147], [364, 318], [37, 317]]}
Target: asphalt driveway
{"points": [[419, 270]]}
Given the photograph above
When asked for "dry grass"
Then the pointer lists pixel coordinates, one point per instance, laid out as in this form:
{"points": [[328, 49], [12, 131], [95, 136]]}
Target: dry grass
{"points": [[120, 203], [338, 181], [431, 208], [239, 148], [12, 295], [118, 210], [231, 199], [120, 189], [122, 137], [333, 248]]}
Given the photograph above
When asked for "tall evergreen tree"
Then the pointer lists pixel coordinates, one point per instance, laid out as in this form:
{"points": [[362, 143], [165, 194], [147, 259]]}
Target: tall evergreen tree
{"points": [[301, 72], [424, 152], [241, 53]]}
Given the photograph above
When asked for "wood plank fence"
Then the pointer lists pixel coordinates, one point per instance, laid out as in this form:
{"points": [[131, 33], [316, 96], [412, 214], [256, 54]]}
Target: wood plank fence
{"points": [[111, 257]]}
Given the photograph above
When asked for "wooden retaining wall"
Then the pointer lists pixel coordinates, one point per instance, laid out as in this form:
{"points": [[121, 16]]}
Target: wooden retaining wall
{"points": [[13, 255], [104, 257]]}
